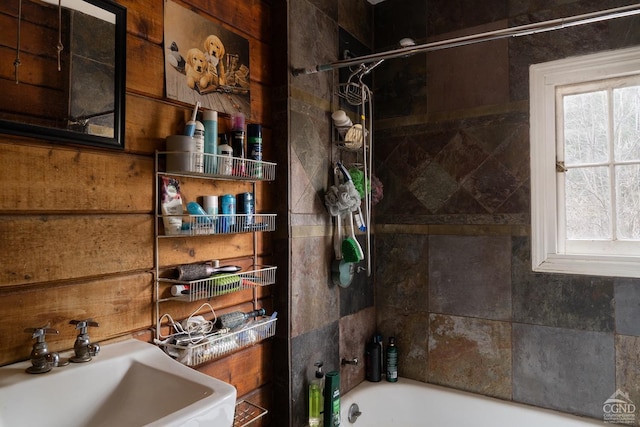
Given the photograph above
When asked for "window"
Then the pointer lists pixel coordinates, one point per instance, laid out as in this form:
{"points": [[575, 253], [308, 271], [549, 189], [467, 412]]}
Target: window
{"points": [[585, 164]]}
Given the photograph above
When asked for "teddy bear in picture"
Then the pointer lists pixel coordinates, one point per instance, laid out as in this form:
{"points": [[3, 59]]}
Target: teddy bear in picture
{"points": [[214, 54]]}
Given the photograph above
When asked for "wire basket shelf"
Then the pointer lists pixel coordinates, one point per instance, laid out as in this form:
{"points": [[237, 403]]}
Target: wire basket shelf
{"points": [[222, 284], [353, 93], [202, 225], [215, 345], [246, 413], [216, 166]]}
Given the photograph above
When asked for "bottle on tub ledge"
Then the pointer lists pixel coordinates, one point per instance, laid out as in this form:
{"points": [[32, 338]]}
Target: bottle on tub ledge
{"points": [[331, 413], [316, 393], [392, 361]]}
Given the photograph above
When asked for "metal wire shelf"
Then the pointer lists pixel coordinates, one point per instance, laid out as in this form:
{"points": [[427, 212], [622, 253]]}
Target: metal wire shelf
{"points": [[215, 166], [222, 284], [215, 345], [246, 413]]}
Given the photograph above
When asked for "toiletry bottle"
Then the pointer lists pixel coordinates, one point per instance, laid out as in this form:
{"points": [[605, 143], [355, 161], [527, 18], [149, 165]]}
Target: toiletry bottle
{"points": [[392, 361], [372, 357], [316, 401], [254, 149], [237, 142], [331, 413], [378, 338], [210, 122], [237, 318], [225, 159], [246, 207], [198, 137]]}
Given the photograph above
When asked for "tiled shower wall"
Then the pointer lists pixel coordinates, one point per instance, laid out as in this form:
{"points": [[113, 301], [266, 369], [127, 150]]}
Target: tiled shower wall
{"points": [[453, 264], [326, 322]]}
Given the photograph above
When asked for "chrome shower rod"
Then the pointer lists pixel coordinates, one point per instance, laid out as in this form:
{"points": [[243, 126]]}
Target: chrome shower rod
{"points": [[522, 30]]}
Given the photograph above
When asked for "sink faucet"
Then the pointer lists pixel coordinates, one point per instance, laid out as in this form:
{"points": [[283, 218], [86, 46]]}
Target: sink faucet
{"points": [[83, 348], [41, 359]]}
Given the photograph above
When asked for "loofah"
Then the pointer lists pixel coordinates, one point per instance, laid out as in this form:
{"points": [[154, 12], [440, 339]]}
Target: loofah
{"points": [[358, 178]]}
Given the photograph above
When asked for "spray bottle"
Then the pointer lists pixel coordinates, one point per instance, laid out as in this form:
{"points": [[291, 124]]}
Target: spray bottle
{"points": [[210, 121]]}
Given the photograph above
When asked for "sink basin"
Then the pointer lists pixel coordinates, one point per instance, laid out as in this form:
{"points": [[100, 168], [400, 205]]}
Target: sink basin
{"points": [[128, 384]]}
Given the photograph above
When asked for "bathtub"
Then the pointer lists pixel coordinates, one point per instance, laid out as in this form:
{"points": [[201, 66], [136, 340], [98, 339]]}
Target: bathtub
{"points": [[409, 403]]}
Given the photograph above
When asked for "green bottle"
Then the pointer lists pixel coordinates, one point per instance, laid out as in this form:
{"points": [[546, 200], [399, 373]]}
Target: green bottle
{"points": [[316, 401], [392, 361]]}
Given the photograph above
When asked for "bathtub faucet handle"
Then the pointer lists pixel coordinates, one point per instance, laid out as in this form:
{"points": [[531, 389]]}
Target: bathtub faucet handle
{"points": [[353, 361]]}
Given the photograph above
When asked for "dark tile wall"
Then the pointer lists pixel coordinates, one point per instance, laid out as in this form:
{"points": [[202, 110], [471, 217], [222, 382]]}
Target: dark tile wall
{"points": [[325, 322], [453, 263]]}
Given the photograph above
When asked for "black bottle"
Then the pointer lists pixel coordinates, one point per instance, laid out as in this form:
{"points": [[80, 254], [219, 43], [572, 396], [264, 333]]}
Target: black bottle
{"points": [[373, 357]]}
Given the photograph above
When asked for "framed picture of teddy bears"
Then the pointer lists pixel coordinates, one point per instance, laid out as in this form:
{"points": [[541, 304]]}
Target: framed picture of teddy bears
{"points": [[205, 62]]}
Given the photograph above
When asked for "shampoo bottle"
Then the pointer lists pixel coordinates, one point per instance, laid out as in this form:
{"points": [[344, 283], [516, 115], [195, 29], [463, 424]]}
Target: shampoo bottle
{"points": [[373, 356], [316, 401], [392, 361], [331, 414], [210, 121], [237, 142], [225, 159], [254, 149]]}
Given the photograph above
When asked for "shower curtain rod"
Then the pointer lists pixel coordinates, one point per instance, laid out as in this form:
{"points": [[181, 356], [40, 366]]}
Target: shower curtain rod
{"points": [[522, 30]]}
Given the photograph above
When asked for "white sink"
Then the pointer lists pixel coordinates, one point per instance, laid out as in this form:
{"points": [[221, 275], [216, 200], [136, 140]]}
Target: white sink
{"points": [[128, 384]]}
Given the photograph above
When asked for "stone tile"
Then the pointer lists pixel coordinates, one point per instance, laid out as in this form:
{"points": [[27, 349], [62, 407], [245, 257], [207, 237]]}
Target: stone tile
{"points": [[411, 333], [314, 300], [433, 186], [470, 276], [628, 369], [398, 198], [401, 87], [356, 331], [518, 203], [563, 369], [360, 294], [627, 306], [461, 202], [560, 300], [319, 344], [356, 18], [395, 20], [444, 16], [469, 76], [316, 43], [470, 354], [491, 184], [461, 155], [401, 272]]}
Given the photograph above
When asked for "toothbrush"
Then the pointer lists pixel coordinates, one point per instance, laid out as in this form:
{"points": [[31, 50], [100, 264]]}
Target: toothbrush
{"points": [[190, 127]]}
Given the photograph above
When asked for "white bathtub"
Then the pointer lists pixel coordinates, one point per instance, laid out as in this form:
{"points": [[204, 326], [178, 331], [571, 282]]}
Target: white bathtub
{"points": [[409, 403]]}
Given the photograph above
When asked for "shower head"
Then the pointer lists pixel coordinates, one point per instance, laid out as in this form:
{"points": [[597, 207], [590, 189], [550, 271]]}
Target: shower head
{"points": [[406, 42]]}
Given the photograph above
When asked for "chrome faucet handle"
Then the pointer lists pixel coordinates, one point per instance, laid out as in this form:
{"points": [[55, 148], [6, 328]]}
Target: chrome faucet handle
{"points": [[83, 348], [41, 359], [84, 324]]}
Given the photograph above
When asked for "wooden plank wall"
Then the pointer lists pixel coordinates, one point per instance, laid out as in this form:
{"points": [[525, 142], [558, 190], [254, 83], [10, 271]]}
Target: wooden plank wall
{"points": [[76, 223]]}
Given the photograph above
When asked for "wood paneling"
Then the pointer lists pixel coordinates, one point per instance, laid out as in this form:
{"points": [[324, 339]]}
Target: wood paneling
{"points": [[76, 223]]}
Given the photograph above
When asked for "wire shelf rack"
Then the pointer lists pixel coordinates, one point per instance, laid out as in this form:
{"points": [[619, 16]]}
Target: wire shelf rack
{"points": [[222, 284], [246, 413], [203, 225], [217, 344], [216, 166]]}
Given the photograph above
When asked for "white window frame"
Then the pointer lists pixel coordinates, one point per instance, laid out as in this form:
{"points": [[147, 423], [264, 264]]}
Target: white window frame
{"points": [[544, 79]]}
